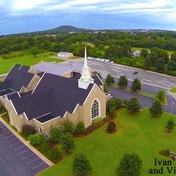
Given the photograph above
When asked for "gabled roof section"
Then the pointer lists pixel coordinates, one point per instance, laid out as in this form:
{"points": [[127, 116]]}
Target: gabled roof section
{"points": [[33, 105], [65, 93], [5, 84], [19, 78], [13, 96]]}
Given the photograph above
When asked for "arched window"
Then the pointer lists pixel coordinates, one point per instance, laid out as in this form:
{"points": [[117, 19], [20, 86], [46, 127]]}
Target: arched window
{"points": [[95, 109]]}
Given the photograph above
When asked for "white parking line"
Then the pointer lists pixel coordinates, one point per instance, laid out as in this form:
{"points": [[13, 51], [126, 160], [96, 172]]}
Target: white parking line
{"points": [[38, 165], [22, 152], [15, 143], [8, 136], [18, 147], [33, 160], [11, 140], [28, 156], [7, 132]]}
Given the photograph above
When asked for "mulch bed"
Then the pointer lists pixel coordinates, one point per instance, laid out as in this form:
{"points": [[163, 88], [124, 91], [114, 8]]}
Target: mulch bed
{"points": [[91, 129]]}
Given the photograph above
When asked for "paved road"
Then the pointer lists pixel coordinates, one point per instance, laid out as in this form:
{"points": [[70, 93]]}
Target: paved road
{"points": [[16, 159]]}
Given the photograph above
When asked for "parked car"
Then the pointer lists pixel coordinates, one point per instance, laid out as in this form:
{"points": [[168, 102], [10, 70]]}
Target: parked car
{"points": [[135, 72]]}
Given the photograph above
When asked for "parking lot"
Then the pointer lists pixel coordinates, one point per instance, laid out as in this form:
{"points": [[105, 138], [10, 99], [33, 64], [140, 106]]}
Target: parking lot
{"points": [[16, 159]]}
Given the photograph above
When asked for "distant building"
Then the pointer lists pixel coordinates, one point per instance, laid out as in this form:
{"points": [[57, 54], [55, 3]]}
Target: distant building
{"points": [[136, 53], [65, 54]]}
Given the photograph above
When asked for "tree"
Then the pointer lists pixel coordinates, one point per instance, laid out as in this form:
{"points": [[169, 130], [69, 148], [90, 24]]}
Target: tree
{"points": [[171, 65], [156, 108], [123, 82], [81, 165], [109, 79], [173, 57], [133, 105], [144, 53], [118, 103], [130, 165], [67, 143], [161, 95], [136, 85], [147, 63], [170, 124], [55, 134], [68, 127], [80, 128], [35, 51], [159, 65], [153, 57], [105, 88]]}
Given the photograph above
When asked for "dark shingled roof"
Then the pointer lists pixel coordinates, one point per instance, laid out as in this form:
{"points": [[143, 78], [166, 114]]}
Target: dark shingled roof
{"points": [[6, 92], [13, 96], [24, 68], [55, 95], [5, 84], [45, 118], [19, 78], [34, 105]]}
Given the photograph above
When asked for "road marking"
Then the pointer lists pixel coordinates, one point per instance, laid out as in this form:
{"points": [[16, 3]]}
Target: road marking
{"points": [[28, 156], [33, 160], [15, 143], [8, 136], [22, 152], [11, 140], [18, 147], [38, 165]]}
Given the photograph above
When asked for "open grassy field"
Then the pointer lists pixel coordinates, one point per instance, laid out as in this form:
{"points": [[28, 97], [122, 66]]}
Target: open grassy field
{"points": [[26, 59], [139, 133]]}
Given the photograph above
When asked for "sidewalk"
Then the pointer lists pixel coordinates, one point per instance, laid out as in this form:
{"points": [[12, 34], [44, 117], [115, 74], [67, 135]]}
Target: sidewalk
{"points": [[40, 155]]}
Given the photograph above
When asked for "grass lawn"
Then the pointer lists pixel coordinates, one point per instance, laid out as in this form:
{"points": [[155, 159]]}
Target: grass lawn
{"points": [[7, 64], [173, 90], [139, 133]]}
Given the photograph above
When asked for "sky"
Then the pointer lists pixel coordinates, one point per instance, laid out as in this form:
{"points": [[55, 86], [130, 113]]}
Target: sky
{"points": [[17, 16]]}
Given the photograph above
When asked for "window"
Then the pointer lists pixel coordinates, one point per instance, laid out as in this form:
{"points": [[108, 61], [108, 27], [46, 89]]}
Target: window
{"points": [[95, 109]]}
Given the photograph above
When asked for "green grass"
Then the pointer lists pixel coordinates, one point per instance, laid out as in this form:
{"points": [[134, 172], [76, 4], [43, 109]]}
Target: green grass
{"points": [[7, 64], [139, 133], [173, 90]]}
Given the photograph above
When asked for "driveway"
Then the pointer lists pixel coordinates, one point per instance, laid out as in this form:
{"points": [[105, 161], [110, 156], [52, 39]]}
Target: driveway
{"points": [[16, 159], [143, 100]]}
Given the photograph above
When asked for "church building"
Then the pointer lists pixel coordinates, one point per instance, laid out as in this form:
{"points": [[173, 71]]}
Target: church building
{"points": [[52, 98]]}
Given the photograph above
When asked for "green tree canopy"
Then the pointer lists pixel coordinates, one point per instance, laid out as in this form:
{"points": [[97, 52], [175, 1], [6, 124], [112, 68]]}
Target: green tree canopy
{"points": [[170, 124], [161, 95], [123, 82], [133, 105], [55, 134], [81, 165], [136, 85], [130, 165], [67, 143], [156, 108], [109, 79], [159, 64], [144, 53]]}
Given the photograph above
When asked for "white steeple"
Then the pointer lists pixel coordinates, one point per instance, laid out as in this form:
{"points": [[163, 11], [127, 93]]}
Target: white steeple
{"points": [[86, 78]]}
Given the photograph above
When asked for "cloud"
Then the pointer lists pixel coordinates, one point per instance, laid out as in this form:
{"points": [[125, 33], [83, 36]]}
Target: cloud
{"points": [[92, 13]]}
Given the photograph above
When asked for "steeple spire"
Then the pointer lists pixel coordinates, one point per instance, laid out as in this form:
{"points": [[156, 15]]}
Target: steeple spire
{"points": [[85, 57], [86, 78]]}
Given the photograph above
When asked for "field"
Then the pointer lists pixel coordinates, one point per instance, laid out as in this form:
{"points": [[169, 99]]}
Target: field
{"points": [[25, 59], [139, 133]]}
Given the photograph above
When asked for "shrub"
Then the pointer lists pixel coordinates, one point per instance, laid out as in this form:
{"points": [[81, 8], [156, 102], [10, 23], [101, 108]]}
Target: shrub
{"points": [[80, 128], [55, 134], [97, 121], [54, 155], [165, 152], [28, 130], [68, 127], [35, 140], [111, 127]]}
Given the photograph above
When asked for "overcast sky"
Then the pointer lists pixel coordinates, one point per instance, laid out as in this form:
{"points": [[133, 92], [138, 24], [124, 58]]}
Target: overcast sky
{"points": [[18, 16]]}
